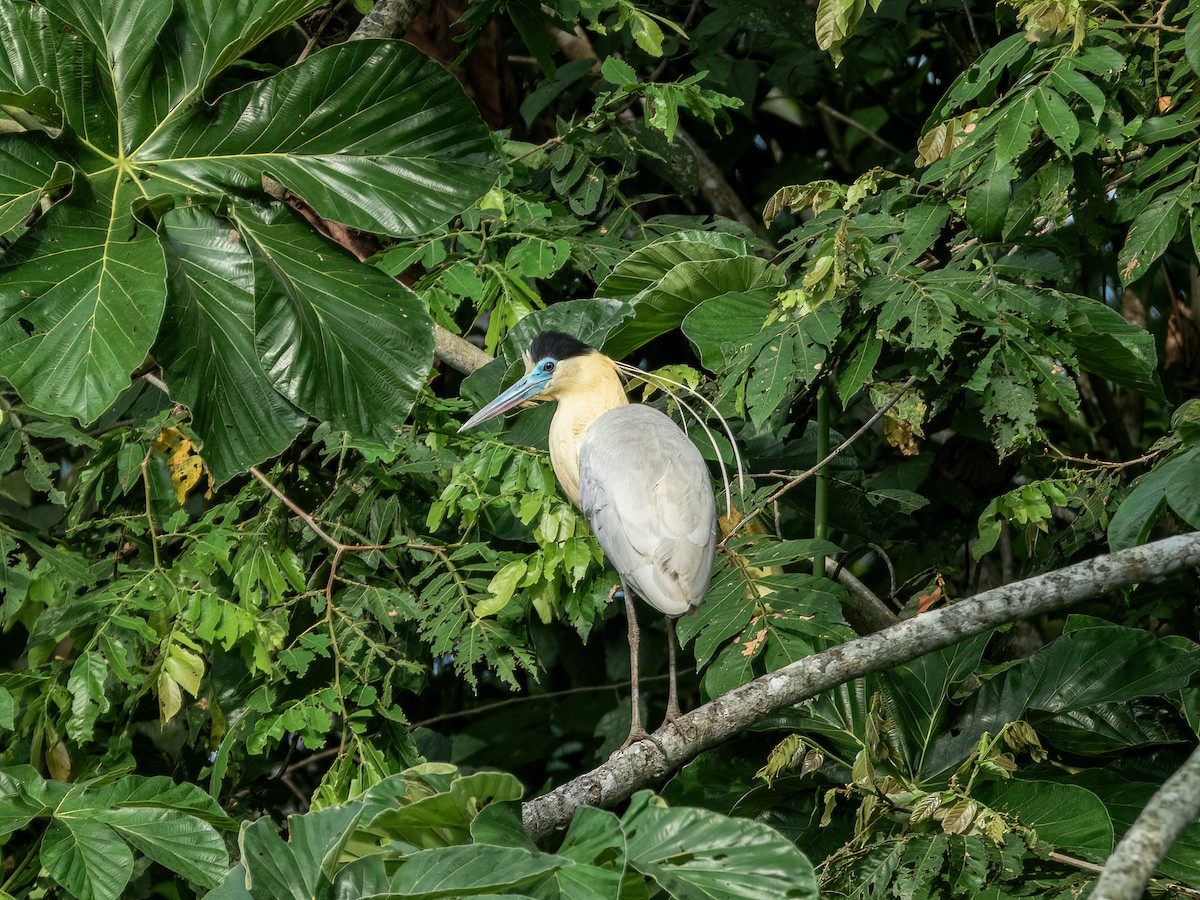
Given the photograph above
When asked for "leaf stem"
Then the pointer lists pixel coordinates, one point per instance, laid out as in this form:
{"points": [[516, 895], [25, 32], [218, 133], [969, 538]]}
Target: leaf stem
{"points": [[150, 506], [833, 454], [821, 500]]}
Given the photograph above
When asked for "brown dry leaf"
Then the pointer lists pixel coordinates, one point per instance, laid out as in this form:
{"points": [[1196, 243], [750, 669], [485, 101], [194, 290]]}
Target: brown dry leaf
{"points": [[900, 435], [58, 762], [927, 600], [903, 423], [754, 643]]}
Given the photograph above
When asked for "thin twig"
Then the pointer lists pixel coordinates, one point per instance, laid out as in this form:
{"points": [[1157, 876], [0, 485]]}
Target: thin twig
{"points": [[149, 506], [1075, 862], [299, 513], [316, 36], [853, 123], [1104, 463], [528, 698], [151, 378], [833, 454]]}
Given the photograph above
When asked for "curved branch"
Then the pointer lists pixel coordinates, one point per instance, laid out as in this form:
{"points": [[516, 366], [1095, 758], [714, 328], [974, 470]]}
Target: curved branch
{"points": [[865, 612], [833, 454], [1173, 807], [388, 19], [649, 761]]}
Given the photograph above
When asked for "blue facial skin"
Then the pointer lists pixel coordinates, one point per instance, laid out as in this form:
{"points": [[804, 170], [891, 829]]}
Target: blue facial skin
{"points": [[526, 389]]}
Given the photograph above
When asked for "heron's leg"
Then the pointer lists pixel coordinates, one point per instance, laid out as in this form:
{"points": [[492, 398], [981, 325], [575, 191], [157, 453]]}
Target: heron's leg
{"points": [[673, 712], [636, 731]]}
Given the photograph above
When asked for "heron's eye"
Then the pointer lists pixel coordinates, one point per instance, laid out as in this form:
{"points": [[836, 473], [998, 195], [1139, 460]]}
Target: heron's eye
{"points": [[548, 366]]}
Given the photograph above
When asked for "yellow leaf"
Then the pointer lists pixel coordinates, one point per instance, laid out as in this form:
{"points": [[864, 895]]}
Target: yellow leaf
{"points": [[184, 462], [185, 668], [58, 762], [170, 698]]}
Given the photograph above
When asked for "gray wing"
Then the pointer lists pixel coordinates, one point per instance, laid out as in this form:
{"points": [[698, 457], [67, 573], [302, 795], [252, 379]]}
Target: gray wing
{"points": [[646, 492]]}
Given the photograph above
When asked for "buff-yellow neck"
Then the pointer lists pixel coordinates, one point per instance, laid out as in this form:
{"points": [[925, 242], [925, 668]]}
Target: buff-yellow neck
{"points": [[585, 387]]}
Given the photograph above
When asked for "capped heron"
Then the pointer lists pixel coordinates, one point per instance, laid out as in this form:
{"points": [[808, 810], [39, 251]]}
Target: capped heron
{"points": [[639, 481]]}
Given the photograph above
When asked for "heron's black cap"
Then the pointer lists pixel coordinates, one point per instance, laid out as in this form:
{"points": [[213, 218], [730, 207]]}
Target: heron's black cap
{"points": [[557, 345]]}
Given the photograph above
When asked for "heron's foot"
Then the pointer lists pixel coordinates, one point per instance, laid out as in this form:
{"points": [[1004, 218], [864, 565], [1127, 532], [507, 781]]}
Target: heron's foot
{"points": [[637, 734], [673, 715]]}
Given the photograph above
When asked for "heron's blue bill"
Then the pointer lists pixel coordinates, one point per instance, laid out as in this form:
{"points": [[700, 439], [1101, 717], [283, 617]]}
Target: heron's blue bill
{"points": [[525, 389]]}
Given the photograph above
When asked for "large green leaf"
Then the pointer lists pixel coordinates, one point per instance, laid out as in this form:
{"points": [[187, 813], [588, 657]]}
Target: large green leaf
{"points": [[17, 807], [1111, 727], [302, 868], [721, 326], [916, 695], [87, 858], [342, 341], [181, 842], [696, 853], [646, 265], [1131, 523], [81, 297], [472, 870], [372, 134], [1108, 346], [1070, 817], [31, 52], [1076, 671], [665, 303], [445, 817], [28, 169], [206, 346], [595, 842], [124, 32]]}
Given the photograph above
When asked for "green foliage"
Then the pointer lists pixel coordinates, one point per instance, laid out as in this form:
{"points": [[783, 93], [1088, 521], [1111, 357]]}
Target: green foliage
{"points": [[189, 655], [138, 220], [94, 826], [908, 776], [432, 832]]}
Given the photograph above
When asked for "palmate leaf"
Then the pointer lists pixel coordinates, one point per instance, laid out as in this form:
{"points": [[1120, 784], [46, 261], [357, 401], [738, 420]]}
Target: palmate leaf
{"points": [[371, 134], [81, 298], [87, 858], [206, 345], [343, 341], [86, 847]]}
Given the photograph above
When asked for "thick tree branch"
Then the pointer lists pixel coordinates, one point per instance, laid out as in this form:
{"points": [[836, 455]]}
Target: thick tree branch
{"points": [[865, 612], [649, 761], [388, 19], [1174, 807], [456, 352]]}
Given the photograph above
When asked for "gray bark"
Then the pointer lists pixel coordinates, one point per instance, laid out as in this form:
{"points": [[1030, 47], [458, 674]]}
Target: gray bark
{"points": [[649, 761], [388, 19], [458, 353], [1175, 806]]}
